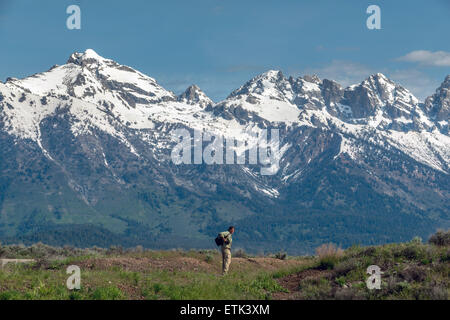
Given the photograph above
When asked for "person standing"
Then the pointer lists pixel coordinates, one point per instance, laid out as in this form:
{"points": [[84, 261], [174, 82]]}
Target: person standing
{"points": [[226, 249]]}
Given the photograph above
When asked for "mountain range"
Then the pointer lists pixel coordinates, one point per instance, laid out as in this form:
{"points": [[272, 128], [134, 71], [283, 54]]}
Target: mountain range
{"points": [[86, 160]]}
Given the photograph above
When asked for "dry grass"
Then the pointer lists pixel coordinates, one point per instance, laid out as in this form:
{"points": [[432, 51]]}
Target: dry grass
{"points": [[329, 250], [328, 255]]}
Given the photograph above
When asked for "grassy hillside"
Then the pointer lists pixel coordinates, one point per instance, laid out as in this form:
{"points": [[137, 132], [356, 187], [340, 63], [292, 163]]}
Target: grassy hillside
{"points": [[411, 271]]}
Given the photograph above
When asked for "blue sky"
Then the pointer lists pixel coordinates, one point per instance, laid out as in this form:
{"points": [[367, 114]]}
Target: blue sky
{"points": [[220, 44]]}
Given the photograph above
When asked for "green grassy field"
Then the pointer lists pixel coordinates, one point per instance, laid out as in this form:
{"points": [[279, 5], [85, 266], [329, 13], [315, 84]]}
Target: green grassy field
{"points": [[411, 270]]}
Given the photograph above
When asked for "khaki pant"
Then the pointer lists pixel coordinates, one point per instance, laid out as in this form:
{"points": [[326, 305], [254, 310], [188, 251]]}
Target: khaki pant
{"points": [[226, 259]]}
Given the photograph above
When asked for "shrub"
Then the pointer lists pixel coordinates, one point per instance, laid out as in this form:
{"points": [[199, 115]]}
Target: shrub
{"points": [[75, 296], [440, 238], [410, 251], [413, 273], [315, 289], [267, 283], [208, 258], [157, 287], [446, 256], [329, 250], [344, 267], [328, 255], [281, 255], [416, 240], [370, 251]]}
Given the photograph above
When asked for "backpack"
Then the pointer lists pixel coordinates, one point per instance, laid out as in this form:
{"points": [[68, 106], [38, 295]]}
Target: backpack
{"points": [[219, 240]]}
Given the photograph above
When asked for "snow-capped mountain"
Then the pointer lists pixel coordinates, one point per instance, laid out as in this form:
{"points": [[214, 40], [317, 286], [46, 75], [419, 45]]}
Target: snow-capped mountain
{"points": [[438, 105], [89, 144], [195, 96]]}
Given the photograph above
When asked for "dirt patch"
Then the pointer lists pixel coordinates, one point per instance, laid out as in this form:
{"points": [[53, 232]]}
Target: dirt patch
{"points": [[193, 264], [269, 264], [146, 264], [292, 282], [134, 293]]}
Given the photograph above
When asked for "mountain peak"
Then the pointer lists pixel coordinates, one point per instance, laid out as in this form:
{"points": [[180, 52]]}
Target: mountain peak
{"points": [[193, 88], [90, 53], [379, 77], [375, 93], [271, 74], [446, 82], [438, 105], [87, 57], [194, 95], [312, 78]]}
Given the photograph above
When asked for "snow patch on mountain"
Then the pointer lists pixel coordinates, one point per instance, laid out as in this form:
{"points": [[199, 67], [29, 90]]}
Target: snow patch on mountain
{"points": [[432, 149]]}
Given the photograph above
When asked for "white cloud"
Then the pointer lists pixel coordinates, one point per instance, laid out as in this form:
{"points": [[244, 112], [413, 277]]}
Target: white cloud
{"points": [[429, 58]]}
